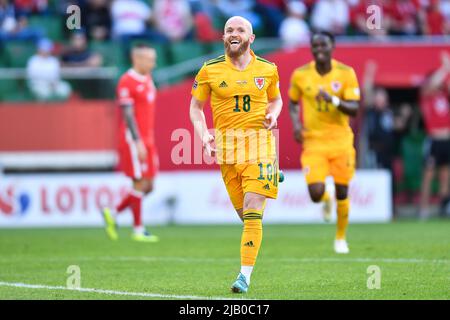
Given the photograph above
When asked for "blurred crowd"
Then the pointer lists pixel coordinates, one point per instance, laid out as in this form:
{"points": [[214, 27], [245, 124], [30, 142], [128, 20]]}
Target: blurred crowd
{"points": [[173, 20], [405, 136]]}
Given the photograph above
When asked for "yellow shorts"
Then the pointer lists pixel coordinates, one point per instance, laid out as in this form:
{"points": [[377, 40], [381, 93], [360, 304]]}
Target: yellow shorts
{"points": [[317, 165], [261, 178]]}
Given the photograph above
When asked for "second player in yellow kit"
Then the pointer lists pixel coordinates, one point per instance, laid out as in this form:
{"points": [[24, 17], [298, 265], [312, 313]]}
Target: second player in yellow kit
{"points": [[327, 136], [245, 103], [329, 95]]}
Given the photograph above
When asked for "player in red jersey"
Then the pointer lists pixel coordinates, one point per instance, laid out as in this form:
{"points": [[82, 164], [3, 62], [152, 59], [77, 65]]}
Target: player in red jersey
{"points": [[435, 108], [136, 94]]}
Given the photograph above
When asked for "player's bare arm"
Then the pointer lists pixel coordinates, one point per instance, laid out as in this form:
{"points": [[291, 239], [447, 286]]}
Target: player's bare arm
{"points": [[438, 77], [294, 112], [272, 113], [369, 80], [198, 120], [128, 112], [349, 107]]}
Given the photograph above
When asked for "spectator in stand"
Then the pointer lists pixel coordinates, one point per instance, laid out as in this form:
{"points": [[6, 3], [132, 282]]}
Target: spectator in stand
{"points": [[434, 103], [402, 17], [14, 26], [131, 20], [78, 53], [203, 24], [294, 30], [43, 74], [358, 17], [173, 18], [331, 15], [97, 19], [27, 7], [243, 8], [272, 11], [432, 20], [379, 119], [444, 7], [384, 128]]}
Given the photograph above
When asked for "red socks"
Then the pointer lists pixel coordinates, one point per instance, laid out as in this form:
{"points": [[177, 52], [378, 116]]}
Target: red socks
{"points": [[134, 201]]}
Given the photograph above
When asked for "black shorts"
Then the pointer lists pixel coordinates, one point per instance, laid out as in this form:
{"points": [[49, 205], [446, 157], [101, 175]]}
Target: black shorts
{"points": [[437, 152]]}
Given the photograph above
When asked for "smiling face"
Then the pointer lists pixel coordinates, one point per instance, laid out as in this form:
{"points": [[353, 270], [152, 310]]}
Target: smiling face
{"points": [[321, 47], [238, 35]]}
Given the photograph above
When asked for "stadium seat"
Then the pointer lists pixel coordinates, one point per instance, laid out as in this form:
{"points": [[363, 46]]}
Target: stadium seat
{"points": [[112, 54], [18, 52], [14, 90], [216, 48], [3, 58], [52, 26], [186, 50]]}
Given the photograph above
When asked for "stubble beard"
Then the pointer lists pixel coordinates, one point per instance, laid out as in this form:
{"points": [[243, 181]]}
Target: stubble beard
{"points": [[240, 51]]}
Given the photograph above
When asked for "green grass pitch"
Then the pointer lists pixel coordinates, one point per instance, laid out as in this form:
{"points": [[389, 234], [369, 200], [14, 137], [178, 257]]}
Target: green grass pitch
{"points": [[295, 262]]}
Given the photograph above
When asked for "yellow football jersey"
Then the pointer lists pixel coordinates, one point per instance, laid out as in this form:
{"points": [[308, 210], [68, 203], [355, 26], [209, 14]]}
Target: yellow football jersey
{"points": [[325, 127], [239, 101]]}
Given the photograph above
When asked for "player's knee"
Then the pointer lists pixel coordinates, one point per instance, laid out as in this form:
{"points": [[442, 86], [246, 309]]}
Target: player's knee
{"points": [[254, 202], [316, 192], [341, 193], [316, 196], [147, 188], [144, 186]]}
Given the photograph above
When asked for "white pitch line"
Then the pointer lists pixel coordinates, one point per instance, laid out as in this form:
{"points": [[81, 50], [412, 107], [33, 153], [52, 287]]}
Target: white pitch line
{"points": [[110, 292], [306, 260], [222, 260]]}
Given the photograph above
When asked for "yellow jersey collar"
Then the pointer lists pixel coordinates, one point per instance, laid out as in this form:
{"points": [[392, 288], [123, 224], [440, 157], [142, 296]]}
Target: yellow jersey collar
{"points": [[228, 61], [333, 66]]}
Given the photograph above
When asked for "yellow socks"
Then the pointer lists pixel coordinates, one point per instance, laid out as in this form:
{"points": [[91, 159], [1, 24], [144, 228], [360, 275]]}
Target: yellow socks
{"points": [[251, 236], [343, 207]]}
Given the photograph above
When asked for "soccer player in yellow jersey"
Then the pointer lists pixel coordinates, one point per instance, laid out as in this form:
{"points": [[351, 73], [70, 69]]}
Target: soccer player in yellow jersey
{"points": [[245, 103], [329, 94]]}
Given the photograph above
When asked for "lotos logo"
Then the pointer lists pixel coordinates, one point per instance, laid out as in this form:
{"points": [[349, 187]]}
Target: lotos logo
{"points": [[13, 202]]}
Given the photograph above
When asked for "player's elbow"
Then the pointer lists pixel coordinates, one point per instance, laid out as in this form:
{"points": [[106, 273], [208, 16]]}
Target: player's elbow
{"points": [[353, 110]]}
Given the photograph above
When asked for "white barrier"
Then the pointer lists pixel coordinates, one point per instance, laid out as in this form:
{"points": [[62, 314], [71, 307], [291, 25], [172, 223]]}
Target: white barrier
{"points": [[197, 197]]}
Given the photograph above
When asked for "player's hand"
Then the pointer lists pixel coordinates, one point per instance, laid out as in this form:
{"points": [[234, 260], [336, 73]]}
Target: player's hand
{"points": [[371, 68], [271, 122], [208, 148], [298, 136], [324, 96], [141, 150]]}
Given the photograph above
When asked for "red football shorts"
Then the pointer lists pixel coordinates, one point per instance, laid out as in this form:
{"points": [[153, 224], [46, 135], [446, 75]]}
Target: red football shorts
{"points": [[130, 164]]}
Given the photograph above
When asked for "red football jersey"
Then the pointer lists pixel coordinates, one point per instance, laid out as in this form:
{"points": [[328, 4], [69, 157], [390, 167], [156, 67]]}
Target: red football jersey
{"points": [[140, 91], [436, 111]]}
